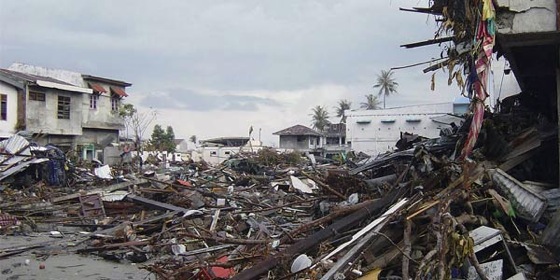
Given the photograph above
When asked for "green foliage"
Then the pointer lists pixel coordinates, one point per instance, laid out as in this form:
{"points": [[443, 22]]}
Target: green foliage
{"points": [[292, 158], [319, 118], [371, 102], [126, 110], [163, 140], [342, 106], [386, 84], [270, 157]]}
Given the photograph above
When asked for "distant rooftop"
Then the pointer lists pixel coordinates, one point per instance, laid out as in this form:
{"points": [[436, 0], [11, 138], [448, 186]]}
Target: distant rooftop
{"points": [[32, 78], [42, 81], [226, 141], [298, 130]]}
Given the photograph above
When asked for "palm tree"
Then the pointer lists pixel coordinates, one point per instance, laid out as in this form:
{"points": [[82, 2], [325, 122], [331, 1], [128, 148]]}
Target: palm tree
{"points": [[371, 102], [386, 84], [342, 106], [319, 118]]}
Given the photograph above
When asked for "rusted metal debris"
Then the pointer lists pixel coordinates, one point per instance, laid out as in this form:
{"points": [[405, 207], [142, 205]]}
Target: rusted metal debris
{"points": [[416, 213]]}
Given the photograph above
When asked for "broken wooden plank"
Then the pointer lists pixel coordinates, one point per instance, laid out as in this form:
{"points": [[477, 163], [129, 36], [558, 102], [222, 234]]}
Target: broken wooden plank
{"points": [[313, 240], [427, 42], [155, 204], [365, 235]]}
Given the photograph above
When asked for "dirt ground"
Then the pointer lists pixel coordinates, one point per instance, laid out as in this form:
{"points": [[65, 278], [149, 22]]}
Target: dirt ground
{"points": [[59, 262]]}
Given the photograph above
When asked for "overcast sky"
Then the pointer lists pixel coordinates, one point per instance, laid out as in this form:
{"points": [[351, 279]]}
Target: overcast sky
{"points": [[214, 68]]}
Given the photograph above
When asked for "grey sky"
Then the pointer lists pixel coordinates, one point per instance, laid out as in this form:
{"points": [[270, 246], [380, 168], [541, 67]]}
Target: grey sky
{"points": [[244, 62]]}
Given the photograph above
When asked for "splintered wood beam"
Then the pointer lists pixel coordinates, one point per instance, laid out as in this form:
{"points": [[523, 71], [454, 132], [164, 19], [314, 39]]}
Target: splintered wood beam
{"points": [[421, 10], [315, 239], [427, 42], [436, 66], [155, 204]]}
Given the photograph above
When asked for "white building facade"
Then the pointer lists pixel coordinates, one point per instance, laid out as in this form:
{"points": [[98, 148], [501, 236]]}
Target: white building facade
{"points": [[8, 108], [376, 131]]}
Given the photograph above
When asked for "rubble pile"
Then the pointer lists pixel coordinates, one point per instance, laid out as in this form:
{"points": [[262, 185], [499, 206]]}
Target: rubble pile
{"points": [[416, 213]]}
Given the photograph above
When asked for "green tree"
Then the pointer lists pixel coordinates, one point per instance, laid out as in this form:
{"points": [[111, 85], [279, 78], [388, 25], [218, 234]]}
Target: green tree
{"points": [[193, 139], [169, 143], [386, 84], [158, 136], [342, 106], [163, 140], [126, 111], [136, 121], [319, 118], [371, 102]]}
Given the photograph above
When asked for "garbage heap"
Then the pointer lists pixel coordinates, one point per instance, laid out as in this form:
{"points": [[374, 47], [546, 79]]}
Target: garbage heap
{"points": [[416, 213]]}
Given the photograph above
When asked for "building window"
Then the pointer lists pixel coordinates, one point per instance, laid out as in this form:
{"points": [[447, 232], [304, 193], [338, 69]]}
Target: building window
{"points": [[93, 99], [37, 96], [115, 103], [63, 107], [3, 107]]}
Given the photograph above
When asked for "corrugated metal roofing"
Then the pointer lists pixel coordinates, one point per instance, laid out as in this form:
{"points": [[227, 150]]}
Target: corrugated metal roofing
{"points": [[31, 78], [528, 204], [119, 91], [97, 87]]}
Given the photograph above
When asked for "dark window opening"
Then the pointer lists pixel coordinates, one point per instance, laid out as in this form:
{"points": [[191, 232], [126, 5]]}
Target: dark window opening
{"points": [[93, 99], [4, 107], [63, 107], [114, 103], [37, 96]]}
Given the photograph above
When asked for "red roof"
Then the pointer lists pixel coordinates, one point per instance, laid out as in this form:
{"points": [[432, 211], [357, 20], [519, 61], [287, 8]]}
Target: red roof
{"points": [[97, 88], [119, 91]]}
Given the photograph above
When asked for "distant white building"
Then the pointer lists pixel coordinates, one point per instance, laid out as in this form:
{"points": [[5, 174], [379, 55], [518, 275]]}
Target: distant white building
{"points": [[376, 131], [327, 143], [215, 151]]}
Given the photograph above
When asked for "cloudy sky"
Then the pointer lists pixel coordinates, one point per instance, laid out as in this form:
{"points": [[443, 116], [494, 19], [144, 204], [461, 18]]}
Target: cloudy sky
{"points": [[215, 68]]}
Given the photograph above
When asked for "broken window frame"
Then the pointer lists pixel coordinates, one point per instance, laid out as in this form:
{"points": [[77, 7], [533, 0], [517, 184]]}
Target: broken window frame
{"points": [[63, 109], [4, 107], [37, 96], [93, 100]]}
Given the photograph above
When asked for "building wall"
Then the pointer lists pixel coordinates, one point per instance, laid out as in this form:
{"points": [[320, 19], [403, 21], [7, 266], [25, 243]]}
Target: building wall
{"points": [[377, 131], [101, 137], [42, 116], [216, 155], [301, 143], [64, 142], [7, 127], [102, 116], [522, 16]]}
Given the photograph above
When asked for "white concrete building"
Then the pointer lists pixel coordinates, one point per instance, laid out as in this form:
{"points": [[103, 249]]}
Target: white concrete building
{"points": [[215, 151], [64, 108], [376, 131], [8, 106]]}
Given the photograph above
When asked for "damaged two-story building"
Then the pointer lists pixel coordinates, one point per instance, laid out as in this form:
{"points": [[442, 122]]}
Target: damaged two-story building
{"points": [[63, 108]]}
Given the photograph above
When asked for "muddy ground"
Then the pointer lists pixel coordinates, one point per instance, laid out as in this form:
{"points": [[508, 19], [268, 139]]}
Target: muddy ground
{"points": [[60, 262]]}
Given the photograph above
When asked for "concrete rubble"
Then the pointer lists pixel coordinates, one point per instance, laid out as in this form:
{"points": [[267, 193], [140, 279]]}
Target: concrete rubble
{"points": [[416, 213]]}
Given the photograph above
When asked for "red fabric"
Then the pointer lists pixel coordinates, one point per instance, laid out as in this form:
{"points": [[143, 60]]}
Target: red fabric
{"points": [[185, 183], [220, 272], [482, 65], [7, 220]]}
